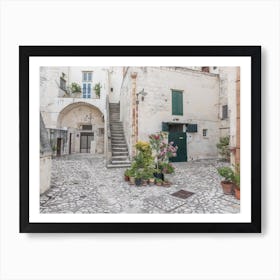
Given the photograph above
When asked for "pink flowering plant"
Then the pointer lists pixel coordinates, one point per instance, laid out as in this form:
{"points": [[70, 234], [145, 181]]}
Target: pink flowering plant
{"points": [[162, 151]]}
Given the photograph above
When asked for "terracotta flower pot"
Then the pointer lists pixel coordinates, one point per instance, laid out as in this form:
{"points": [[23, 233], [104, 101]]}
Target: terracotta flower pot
{"points": [[144, 182], [132, 180], [227, 187], [166, 184], [151, 181], [237, 193], [126, 178]]}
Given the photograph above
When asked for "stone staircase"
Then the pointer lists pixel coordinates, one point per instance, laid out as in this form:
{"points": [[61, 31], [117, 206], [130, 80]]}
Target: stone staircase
{"points": [[120, 157]]}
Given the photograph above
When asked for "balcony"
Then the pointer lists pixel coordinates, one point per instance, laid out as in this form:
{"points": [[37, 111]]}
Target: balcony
{"points": [[68, 93]]}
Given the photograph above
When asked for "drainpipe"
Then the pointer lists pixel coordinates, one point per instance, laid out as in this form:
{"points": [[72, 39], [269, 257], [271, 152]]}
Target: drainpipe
{"points": [[134, 114]]}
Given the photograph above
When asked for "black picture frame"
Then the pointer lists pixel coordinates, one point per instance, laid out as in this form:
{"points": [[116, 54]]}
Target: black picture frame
{"points": [[254, 52]]}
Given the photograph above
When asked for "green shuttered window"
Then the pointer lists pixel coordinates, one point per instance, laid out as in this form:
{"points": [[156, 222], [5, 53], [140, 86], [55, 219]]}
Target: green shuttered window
{"points": [[177, 103]]}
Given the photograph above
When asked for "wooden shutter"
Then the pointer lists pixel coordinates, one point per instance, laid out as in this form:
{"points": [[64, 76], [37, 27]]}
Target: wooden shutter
{"points": [[177, 103], [165, 126]]}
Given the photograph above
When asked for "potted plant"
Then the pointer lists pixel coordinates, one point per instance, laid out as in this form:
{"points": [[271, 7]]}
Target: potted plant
{"points": [[152, 180], [131, 176], [97, 89], [162, 151], [126, 175], [166, 183], [75, 88], [138, 179], [228, 175], [145, 178], [236, 182], [159, 182], [158, 174], [223, 148]]}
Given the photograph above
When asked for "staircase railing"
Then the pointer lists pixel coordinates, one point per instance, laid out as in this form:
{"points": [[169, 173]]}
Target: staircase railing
{"points": [[109, 146]]}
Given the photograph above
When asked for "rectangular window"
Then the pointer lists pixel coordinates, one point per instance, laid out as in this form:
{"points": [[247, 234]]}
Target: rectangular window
{"points": [[87, 76], [225, 112], [204, 132], [191, 127], [177, 103], [89, 90], [87, 84], [84, 90], [86, 127]]}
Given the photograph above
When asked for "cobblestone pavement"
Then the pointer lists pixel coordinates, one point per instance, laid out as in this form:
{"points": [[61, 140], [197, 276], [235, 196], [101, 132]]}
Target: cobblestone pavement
{"points": [[82, 184]]}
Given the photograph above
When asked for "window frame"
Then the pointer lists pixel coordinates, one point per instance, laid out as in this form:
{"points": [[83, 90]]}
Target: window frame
{"points": [[180, 111]]}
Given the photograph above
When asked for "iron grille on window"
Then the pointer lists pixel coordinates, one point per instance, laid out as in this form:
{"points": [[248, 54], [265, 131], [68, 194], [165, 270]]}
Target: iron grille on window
{"points": [[86, 127], [225, 112], [191, 127]]}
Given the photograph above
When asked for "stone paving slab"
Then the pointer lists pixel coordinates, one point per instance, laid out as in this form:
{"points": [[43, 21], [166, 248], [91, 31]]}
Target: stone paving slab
{"points": [[82, 184]]}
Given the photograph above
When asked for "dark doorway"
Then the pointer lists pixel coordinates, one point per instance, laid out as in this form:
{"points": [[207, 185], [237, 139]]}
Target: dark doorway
{"points": [[58, 146], [85, 141], [70, 143]]}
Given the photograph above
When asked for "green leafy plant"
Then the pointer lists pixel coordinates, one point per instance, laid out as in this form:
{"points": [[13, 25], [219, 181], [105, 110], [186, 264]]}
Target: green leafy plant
{"points": [[75, 87], [236, 176], [158, 181], [162, 150], [166, 168], [227, 173], [223, 147], [97, 89]]}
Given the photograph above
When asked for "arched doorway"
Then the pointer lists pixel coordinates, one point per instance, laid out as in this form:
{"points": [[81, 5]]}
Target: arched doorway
{"points": [[85, 128]]}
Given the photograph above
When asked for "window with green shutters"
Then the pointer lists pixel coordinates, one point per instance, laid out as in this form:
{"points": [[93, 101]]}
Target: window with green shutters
{"points": [[177, 103]]}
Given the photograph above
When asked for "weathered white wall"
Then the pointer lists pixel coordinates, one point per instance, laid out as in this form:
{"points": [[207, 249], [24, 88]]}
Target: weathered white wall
{"points": [[200, 105], [53, 99], [115, 83], [80, 115], [228, 95], [126, 108], [45, 172]]}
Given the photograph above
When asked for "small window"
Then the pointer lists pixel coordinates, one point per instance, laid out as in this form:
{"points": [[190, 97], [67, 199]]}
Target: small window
{"points": [[112, 89], [101, 131], [191, 127], [204, 132], [225, 112], [87, 76], [86, 127]]}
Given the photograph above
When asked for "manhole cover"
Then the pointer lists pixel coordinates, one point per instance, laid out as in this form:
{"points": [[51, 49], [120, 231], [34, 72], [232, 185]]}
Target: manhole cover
{"points": [[182, 194]]}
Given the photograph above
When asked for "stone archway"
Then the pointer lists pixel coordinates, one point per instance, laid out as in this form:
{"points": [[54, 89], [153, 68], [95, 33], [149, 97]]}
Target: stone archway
{"points": [[85, 126]]}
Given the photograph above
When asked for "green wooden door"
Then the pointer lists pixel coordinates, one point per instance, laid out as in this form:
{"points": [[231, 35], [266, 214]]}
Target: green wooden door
{"points": [[179, 139]]}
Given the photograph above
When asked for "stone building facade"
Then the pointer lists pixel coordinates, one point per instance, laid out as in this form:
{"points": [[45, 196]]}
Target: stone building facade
{"points": [[194, 105], [73, 104]]}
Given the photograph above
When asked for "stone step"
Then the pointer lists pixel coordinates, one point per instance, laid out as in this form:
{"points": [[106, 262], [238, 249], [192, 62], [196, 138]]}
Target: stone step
{"points": [[119, 149], [118, 145], [113, 139], [114, 153], [120, 158], [120, 162], [117, 134], [123, 165]]}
